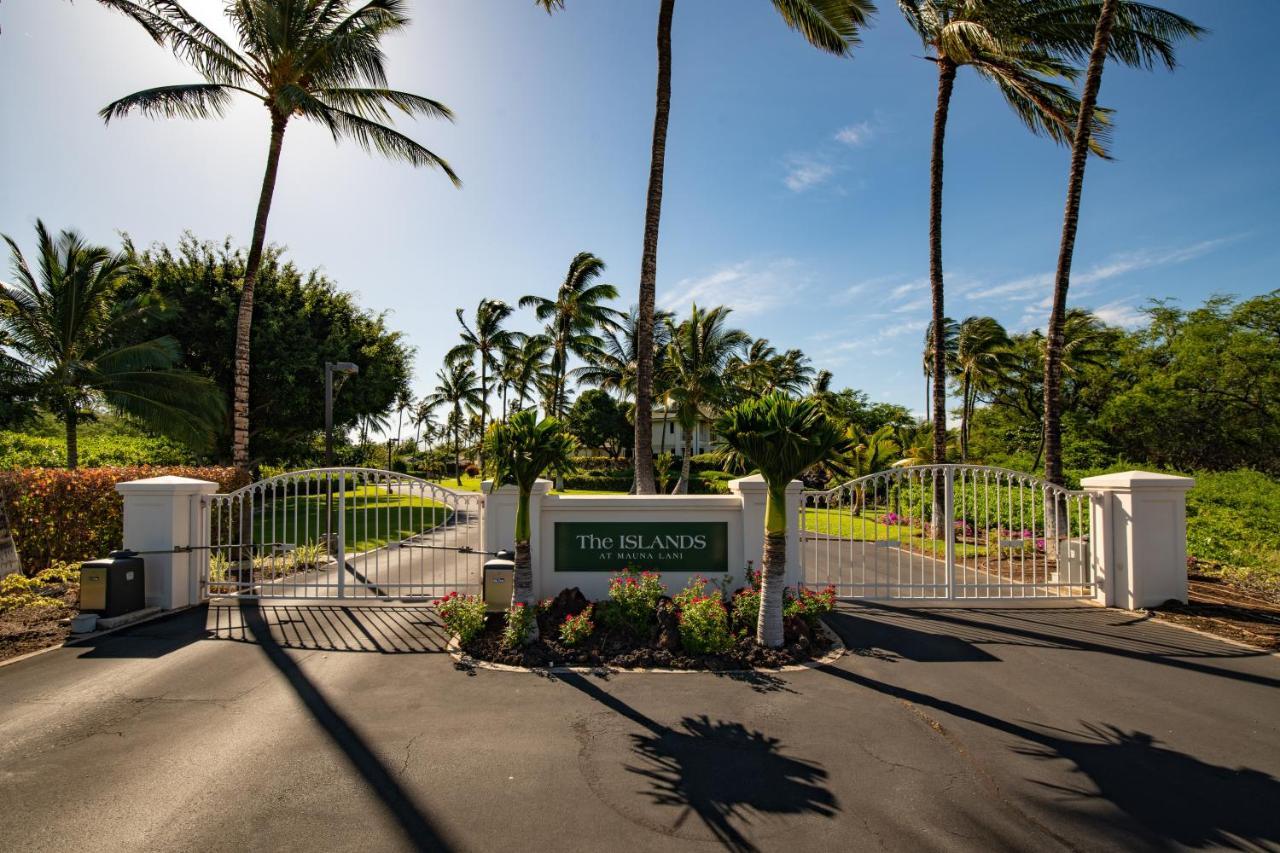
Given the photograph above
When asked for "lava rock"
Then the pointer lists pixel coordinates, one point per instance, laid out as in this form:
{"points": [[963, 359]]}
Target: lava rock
{"points": [[795, 629], [568, 602], [668, 625]]}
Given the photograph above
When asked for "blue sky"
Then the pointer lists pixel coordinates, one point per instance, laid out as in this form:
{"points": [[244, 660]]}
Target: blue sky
{"points": [[796, 183]]}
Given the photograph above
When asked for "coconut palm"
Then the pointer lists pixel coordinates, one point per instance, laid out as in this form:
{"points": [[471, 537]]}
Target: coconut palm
{"points": [[423, 422], [1161, 29], [456, 387], [612, 367], [698, 358], [781, 437], [67, 337], [404, 402], [829, 25], [520, 451], [526, 366], [487, 339], [982, 359], [949, 331], [319, 60], [573, 319]]}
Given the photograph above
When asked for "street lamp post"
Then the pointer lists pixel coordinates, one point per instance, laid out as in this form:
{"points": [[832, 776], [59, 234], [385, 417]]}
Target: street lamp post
{"points": [[343, 369]]}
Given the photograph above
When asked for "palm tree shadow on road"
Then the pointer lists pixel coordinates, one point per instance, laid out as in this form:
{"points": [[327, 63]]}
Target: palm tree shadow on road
{"points": [[718, 771]]}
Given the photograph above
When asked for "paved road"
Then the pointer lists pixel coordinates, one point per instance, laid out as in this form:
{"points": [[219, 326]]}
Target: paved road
{"points": [[266, 728]]}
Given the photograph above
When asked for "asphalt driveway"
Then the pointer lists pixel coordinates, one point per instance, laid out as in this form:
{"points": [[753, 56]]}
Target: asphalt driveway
{"points": [[326, 727]]}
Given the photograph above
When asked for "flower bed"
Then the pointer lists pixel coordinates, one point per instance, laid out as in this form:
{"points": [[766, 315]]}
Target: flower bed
{"points": [[641, 627]]}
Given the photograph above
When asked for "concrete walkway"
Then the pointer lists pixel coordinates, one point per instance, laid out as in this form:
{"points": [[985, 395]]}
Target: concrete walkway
{"points": [[328, 727]]}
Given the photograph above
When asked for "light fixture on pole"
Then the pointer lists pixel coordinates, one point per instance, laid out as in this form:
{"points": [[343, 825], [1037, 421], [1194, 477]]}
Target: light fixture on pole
{"points": [[343, 369]]}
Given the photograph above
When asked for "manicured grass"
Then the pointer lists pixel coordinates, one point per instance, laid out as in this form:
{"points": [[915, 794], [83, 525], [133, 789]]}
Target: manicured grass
{"points": [[374, 516], [864, 527], [472, 484]]}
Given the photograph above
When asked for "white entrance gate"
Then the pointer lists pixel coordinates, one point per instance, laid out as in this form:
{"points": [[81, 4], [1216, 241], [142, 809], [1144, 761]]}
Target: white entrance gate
{"points": [[947, 532], [342, 533]]}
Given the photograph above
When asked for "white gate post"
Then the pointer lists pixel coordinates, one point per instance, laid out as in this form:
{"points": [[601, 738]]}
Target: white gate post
{"points": [[161, 514], [1138, 524]]}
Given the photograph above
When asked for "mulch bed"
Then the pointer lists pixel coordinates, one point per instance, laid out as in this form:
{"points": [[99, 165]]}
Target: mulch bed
{"points": [[1220, 606], [617, 649], [29, 629]]}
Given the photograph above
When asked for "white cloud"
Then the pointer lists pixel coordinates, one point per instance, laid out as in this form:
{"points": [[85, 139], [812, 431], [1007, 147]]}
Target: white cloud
{"points": [[805, 172], [748, 287], [1031, 286], [854, 135], [1121, 313]]}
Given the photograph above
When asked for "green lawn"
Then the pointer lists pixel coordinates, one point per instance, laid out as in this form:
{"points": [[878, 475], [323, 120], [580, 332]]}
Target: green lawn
{"points": [[863, 527], [472, 484], [374, 516]]}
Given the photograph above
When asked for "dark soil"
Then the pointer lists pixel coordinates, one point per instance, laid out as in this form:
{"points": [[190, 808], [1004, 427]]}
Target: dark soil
{"points": [[618, 649], [29, 629], [1219, 606]]}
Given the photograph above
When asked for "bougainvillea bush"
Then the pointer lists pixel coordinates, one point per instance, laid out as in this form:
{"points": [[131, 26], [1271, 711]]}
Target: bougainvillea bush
{"points": [[58, 515], [463, 615]]}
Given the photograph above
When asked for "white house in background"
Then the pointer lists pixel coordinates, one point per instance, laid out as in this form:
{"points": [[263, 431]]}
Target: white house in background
{"points": [[669, 435]]}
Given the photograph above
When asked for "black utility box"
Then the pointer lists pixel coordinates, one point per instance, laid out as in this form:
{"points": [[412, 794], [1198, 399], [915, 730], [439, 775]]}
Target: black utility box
{"points": [[113, 585]]}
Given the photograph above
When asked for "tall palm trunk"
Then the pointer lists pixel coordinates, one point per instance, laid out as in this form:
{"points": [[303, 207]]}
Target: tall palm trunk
{"points": [[773, 577], [72, 419], [1066, 249], [244, 317], [946, 80], [964, 419], [649, 261], [484, 408]]}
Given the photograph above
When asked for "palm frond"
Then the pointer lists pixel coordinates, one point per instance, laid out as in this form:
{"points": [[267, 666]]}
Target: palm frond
{"points": [[190, 100], [830, 25]]}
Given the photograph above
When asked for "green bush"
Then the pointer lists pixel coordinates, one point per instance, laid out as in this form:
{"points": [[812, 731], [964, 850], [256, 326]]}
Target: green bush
{"points": [[1233, 517], [746, 609], [58, 515], [710, 483], [704, 625], [599, 481], [519, 627], [635, 594], [575, 630], [462, 615], [24, 450]]}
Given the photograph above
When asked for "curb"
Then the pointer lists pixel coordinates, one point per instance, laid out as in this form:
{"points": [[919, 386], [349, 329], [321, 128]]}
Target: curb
{"points": [[836, 652]]}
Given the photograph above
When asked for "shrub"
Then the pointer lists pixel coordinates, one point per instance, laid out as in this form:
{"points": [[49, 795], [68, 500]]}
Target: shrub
{"points": [[746, 609], [599, 480], [710, 483], [68, 516], [472, 470], [636, 596], [704, 626], [520, 622], [47, 589], [696, 588], [462, 615], [809, 605], [576, 629], [23, 450]]}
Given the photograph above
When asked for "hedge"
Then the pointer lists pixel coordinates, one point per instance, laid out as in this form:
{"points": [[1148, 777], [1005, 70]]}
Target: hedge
{"points": [[58, 515], [615, 482]]}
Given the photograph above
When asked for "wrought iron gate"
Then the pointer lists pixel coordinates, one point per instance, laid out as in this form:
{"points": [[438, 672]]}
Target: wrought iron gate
{"points": [[947, 532], [343, 533]]}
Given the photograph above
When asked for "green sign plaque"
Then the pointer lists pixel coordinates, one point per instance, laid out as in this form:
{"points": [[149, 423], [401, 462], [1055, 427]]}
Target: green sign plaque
{"points": [[663, 546]]}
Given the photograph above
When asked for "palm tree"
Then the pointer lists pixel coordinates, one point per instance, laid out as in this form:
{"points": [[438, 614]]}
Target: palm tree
{"points": [[423, 416], [520, 451], [612, 367], [314, 59], [1018, 45], [699, 354], [949, 331], [829, 25], [67, 331], [488, 340], [404, 402], [456, 387], [527, 366], [573, 319], [981, 360], [782, 437], [1162, 29]]}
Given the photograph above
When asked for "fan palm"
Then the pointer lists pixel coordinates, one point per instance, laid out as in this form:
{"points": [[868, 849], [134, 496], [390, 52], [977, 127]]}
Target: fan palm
{"points": [[981, 360], [701, 349], [829, 25], [68, 338], [319, 60], [520, 451], [1162, 29], [573, 320], [456, 387], [782, 437], [487, 339]]}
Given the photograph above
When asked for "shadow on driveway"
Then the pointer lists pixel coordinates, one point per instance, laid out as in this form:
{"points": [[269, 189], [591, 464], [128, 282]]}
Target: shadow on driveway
{"points": [[719, 771]]}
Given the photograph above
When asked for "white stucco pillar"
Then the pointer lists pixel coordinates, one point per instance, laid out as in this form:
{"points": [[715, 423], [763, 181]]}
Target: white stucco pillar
{"points": [[160, 514], [498, 522], [754, 493], [1139, 531]]}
